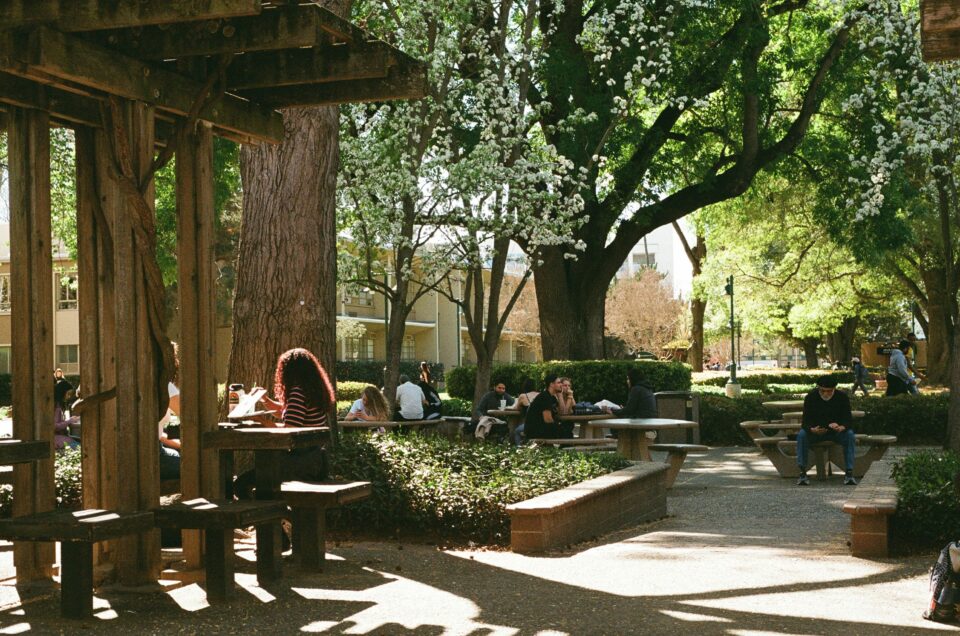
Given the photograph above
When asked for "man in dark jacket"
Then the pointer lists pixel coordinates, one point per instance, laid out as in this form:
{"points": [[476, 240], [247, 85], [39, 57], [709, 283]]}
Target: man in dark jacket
{"points": [[826, 418], [641, 402]]}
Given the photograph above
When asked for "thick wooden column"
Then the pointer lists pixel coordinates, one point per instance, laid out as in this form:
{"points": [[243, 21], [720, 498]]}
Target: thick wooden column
{"points": [[97, 323], [195, 259], [31, 297]]}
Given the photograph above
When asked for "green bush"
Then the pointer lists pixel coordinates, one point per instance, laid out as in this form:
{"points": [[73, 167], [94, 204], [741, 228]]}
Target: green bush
{"points": [[455, 491], [760, 381], [371, 371], [593, 380], [457, 407], [914, 419], [67, 481], [928, 509], [350, 391]]}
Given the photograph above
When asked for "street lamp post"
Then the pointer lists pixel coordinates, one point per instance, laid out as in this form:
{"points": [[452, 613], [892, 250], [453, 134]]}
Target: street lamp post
{"points": [[732, 387]]}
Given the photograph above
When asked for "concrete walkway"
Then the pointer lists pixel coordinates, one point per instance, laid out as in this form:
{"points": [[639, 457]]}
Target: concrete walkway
{"points": [[742, 552]]}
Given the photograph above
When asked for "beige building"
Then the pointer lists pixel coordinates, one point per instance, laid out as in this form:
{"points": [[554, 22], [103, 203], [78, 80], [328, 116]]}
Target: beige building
{"points": [[434, 329]]}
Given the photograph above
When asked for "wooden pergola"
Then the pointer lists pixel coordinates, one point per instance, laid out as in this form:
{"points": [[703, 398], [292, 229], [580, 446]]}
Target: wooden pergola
{"points": [[140, 81], [940, 30]]}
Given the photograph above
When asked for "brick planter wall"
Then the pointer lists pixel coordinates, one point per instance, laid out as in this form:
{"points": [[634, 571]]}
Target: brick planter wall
{"points": [[590, 508]]}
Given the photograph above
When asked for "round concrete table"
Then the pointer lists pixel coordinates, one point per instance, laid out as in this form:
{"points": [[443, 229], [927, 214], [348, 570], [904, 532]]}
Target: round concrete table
{"points": [[636, 435]]}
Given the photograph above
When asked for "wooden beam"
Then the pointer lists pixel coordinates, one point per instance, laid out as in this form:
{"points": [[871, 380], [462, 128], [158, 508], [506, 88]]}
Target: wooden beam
{"points": [[65, 106], [939, 15], [309, 66], [51, 56], [404, 81], [89, 15], [275, 29]]}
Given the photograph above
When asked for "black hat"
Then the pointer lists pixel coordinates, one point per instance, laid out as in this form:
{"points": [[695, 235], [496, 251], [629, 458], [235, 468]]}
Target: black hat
{"points": [[827, 381]]}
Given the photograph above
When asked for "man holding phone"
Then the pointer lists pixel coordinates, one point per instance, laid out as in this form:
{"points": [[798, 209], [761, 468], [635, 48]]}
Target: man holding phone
{"points": [[826, 418]]}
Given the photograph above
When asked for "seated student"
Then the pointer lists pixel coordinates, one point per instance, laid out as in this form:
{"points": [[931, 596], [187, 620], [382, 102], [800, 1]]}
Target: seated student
{"points": [[433, 407], [410, 400], [490, 401], [566, 399], [641, 402], [826, 418], [371, 407], [170, 448], [543, 416]]}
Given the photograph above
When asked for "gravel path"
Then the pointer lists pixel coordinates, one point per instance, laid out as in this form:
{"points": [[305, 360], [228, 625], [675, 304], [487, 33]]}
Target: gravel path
{"points": [[743, 552]]}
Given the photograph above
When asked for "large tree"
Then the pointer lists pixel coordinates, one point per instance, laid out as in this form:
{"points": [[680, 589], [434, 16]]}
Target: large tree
{"points": [[665, 107]]}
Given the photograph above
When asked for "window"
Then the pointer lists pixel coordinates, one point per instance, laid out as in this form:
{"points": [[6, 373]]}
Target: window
{"points": [[359, 348], [5, 293], [408, 349], [645, 260], [67, 297], [364, 298], [4, 359], [68, 354]]}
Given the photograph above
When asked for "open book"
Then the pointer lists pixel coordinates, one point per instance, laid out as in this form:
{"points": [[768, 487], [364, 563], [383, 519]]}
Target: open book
{"points": [[247, 405]]}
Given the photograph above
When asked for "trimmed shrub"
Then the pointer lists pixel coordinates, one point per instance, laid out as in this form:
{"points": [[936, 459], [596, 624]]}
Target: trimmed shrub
{"points": [[760, 381], [457, 407], [914, 419], [67, 481], [928, 509], [456, 491], [350, 391], [371, 371], [593, 380]]}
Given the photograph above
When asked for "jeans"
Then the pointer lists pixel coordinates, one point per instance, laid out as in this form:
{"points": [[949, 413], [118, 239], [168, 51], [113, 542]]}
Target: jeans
{"points": [[846, 439], [518, 435]]}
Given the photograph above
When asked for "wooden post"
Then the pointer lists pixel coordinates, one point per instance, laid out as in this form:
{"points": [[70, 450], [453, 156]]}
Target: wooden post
{"points": [[199, 473], [31, 265]]}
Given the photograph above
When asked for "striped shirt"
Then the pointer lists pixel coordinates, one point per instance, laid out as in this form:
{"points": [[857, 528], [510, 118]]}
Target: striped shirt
{"points": [[297, 413]]}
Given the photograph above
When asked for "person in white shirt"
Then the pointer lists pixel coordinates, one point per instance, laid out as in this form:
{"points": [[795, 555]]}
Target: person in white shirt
{"points": [[410, 400]]}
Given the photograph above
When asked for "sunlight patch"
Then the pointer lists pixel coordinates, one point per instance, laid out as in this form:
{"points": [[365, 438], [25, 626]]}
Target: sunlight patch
{"points": [[695, 618]]}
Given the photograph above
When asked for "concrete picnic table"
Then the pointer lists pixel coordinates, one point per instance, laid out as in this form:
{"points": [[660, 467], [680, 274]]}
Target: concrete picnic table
{"points": [[346, 424], [784, 405], [636, 435]]}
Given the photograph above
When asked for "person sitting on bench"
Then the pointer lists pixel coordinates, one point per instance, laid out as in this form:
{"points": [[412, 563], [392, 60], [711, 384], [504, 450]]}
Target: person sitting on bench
{"points": [[826, 418]]}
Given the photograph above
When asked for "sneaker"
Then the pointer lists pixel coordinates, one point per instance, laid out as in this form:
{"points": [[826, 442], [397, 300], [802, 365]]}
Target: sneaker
{"points": [[803, 480], [849, 480]]}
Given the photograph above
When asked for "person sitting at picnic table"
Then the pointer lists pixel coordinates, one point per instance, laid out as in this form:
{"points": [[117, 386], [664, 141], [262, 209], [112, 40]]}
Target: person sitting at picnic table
{"points": [[543, 415], [528, 393], [433, 407], [371, 407], [899, 379], [410, 400], [304, 396], [565, 399], [641, 402], [492, 399], [826, 418]]}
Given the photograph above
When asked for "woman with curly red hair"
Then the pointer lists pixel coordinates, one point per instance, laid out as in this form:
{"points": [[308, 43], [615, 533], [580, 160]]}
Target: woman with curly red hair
{"points": [[304, 396]]}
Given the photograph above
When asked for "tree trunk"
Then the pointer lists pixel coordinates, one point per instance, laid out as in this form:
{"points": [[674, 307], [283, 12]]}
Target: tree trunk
{"points": [[571, 320], [484, 374], [286, 270], [698, 308], [810, 352], [840, 342], [396, 327], [940, 327], [953, 414]]}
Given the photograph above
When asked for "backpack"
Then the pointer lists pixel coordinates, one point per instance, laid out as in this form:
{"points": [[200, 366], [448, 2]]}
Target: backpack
{"points": [[945, 585], [585, 408]]}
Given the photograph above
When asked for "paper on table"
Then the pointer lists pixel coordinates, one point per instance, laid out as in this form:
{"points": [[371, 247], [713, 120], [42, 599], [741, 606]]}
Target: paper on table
{"points": [[607, 404], [247, 405]]}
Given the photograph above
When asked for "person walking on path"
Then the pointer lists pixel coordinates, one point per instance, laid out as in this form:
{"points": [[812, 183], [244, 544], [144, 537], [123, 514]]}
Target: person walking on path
{"points": [[860, 377], [899, 379], [826, 418]]}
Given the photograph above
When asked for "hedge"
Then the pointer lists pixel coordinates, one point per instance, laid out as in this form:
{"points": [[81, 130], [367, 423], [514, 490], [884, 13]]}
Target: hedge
{"points": [[68, 483], [914, 419], [371, 371], [593, 380], [452, 490], [928, 509], [347, 390], [760, 381]]}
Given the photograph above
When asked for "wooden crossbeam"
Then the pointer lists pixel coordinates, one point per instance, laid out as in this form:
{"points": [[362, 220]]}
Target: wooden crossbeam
{"points": [[61, 105], [310, 66], [89, 15], [281, 28], [406, 80], [47, 55]]}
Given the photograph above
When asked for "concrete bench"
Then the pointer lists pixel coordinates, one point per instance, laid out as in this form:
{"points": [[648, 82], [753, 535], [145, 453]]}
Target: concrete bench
{"points": [[574, 441], [870, 507], [752, 428], [676, 455], [76, 531], [556, 519], [309, 502], [782, 453], [218, 520]]}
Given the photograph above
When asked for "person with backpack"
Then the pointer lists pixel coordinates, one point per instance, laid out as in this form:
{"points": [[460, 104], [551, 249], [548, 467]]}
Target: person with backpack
{"points": [[860, 377]]}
